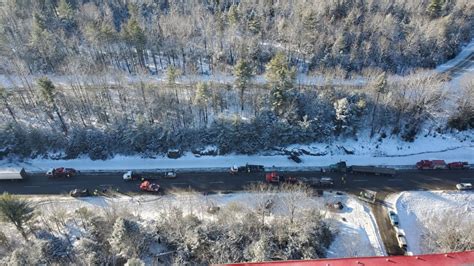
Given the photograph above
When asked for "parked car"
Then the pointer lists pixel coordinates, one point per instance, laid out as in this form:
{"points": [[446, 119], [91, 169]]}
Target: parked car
{"points": [[148, 186], [79, 193], [464, 186], [170, 174], [393, 218], [326, 181], [402, 241], [61, 172]]}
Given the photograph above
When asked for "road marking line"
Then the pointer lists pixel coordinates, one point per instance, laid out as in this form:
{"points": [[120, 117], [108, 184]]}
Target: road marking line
{"points": [[467, 178], [217, 182], [31, 186], [105, 185], [360, 180]]}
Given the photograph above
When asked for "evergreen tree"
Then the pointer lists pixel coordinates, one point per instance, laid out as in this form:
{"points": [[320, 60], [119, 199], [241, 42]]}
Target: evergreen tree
{"points": [[243, 75], [16, 211], [172, 74], [65, 10], [280, 77], [233, 15], [379, 86], [434, 8], [134, 34], [202, 98], [48, 92]]}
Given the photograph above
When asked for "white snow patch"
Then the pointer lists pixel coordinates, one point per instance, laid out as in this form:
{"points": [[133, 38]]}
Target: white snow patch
{"points": [[358, 235], [390, 151], [415, 210]]}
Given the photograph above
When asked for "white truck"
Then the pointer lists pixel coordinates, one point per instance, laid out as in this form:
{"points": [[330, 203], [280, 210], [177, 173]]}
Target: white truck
{"points": [[12, 174]]}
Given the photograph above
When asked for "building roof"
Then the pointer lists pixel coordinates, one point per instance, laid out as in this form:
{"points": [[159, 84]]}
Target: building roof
{"points": [[444, 259]]}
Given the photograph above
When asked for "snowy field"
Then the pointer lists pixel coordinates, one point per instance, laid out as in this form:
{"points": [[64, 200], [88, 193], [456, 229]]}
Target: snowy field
{"points": [[389, 151], [423, 211], [357, 235]]}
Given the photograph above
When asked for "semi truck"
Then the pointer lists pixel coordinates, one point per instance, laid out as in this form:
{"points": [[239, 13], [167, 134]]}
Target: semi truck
{"points": [[12, 174], [358, 169], [248, 168]]}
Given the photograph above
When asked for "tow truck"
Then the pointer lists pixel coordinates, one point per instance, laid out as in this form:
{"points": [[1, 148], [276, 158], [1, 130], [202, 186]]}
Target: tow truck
{"points": [[61, 172], [275, 178], [431, 164], [148, 186], [458, 165]]}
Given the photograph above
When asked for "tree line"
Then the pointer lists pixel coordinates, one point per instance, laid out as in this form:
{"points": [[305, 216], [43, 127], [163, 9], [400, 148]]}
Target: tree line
{"points": [[100, 120], [149, 36]]}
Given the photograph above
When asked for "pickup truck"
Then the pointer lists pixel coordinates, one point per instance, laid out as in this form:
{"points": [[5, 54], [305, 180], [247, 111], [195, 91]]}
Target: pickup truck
{"points": [[317, 182]]}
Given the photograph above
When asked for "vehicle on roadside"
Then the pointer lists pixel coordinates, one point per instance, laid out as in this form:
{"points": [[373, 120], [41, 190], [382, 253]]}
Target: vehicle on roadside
{"points": [[317, 182], [294, 157], [338, 167], [393, 218], [275, 178], [79, 193], [464, 186], [148, 186], [458, 165], [368, 195], [248, 168], [170, 174], [326, 181], [335, 206], [342, 167], [12, 174], [131, 175], [402, 241], [61, 172], [431, 164]]}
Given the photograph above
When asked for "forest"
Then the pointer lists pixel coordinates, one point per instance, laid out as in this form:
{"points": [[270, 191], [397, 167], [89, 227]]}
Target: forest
{"points": [[82, 74], [53, 233]]}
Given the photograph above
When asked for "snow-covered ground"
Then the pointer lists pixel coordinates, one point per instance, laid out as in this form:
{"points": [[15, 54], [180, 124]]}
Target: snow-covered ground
{"points": [[389, 151], [357, 235], [419, 211], [465, 52]]}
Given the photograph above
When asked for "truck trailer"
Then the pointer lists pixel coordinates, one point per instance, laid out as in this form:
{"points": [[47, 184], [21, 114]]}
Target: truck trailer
{"points": [[12, 174], [356, 169]]}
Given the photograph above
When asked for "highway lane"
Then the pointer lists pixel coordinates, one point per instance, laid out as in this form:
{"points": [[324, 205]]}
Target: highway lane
{"points": [[222, 181]]}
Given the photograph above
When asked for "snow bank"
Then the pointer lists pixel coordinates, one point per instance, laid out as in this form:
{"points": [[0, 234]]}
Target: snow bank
{"points": [[390, 151], [417, 208]]}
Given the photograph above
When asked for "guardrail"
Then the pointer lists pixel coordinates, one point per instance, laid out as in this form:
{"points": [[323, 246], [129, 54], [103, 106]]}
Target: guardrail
{"points": [[225, 169]]}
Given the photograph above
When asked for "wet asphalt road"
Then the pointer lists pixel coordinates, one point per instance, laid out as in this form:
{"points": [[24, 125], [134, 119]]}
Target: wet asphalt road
{"points": [[222, 181]]}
